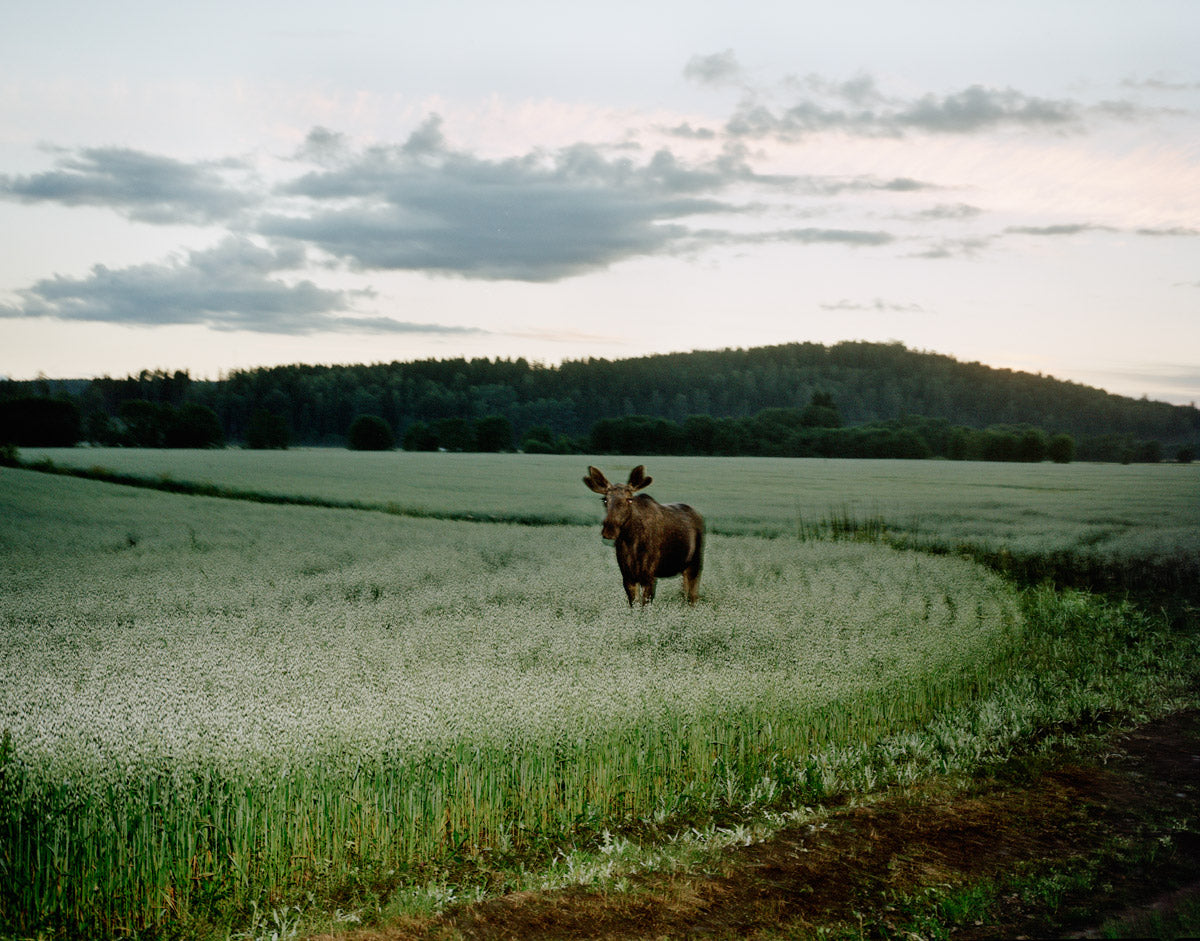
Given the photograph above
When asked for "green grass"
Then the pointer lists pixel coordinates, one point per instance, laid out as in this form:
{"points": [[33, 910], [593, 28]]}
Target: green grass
{"points": [[1097, 510], [219, 709], [208, 700]]}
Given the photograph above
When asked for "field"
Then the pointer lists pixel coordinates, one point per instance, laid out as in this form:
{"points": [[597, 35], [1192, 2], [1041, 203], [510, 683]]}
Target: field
{"points": [[1096, 509], [210, 704]]}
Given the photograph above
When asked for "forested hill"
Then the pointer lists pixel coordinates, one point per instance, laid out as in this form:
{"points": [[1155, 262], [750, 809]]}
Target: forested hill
{"points": [[868, 383]]}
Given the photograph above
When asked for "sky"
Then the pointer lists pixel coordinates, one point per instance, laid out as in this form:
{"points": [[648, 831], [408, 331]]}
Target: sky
{"points": [[217, 186]]}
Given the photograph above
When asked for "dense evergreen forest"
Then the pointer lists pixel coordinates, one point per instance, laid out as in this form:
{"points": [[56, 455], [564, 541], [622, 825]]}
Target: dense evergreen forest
{"points": [[852, 398]]}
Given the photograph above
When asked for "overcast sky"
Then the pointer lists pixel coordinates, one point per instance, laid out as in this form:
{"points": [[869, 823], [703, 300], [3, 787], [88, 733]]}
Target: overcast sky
{"points": [[217, 185]]}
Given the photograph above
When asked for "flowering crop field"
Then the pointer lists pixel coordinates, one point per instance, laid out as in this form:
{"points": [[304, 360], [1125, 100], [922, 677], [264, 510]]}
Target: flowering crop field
{"points": [[1101, 510], [205, 698]]}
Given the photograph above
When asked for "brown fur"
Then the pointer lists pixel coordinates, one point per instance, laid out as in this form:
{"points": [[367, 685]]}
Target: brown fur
{"points": [[653, 541]]}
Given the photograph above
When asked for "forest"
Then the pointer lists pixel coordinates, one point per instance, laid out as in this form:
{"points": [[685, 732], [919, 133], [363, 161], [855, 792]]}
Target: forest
{"points": [[848, 399]]}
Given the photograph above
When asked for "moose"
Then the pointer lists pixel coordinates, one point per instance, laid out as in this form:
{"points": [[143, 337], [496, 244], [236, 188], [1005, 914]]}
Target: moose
{"points": [[652, 540]]}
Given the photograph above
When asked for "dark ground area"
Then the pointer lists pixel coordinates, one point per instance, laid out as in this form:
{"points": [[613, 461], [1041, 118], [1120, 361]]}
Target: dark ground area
{"points": [[1039, 847]]}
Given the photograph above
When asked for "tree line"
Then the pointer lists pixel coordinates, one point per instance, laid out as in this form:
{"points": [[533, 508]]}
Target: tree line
{"points": [[786, 433], [725, 397]]}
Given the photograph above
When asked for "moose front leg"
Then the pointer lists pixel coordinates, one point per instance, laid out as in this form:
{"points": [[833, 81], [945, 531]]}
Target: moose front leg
{"points": [[630, 591], [648, 591]]}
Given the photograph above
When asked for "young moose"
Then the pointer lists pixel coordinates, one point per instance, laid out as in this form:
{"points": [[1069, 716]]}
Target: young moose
{"points": [[653, 541]]}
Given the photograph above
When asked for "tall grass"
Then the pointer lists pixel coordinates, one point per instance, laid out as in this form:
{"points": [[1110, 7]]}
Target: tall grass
{"points": [[207, 702]]}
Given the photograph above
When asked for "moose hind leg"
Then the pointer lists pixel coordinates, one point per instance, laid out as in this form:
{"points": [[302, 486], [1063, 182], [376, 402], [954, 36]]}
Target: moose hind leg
{"points": [[691, 584], [630, 592]]}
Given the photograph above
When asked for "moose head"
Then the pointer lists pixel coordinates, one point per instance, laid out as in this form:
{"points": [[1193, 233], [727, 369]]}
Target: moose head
{"points": [[652, 541]]}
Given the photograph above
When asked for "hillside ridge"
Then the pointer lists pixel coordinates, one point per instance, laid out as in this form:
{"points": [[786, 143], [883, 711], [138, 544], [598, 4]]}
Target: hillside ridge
{"points": [[868, 382]]}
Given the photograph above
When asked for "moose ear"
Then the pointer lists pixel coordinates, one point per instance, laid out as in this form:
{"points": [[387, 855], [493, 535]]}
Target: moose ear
{"points": [[638, 478], [596, 481]]}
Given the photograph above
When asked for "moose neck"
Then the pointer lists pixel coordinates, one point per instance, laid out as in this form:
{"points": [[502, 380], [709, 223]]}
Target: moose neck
{"points": [[642, 512]]}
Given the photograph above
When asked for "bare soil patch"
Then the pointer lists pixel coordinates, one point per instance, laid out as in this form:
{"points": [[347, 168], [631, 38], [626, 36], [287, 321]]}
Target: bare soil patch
{"points": [[1110, 830]]}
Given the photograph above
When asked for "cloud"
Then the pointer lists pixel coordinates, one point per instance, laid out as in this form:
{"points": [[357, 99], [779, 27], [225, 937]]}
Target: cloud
{"points": [[833, 186], [852, 238], [859, 107], [423, 205], [1073, 228], [145, 187], [417, 205], [838, 236], [323, 146], [687, 132], [720, 68], [878, 305], [978, 108], [948, 213], [1155, 84], [1173, 232], [228, 287], [956, 248]]}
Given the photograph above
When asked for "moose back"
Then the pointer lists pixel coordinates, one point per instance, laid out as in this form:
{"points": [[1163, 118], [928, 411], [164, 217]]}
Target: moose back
{"points": [[652, 540]]}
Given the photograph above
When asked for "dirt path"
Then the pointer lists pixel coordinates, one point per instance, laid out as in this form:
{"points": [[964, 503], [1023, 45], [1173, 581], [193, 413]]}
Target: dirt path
{"points": [[1052, 848]]}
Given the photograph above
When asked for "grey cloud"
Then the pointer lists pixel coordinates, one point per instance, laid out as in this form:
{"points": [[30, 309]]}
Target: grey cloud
{"points": [[1174, 232], [956, 248], [859, 108], [1154, 84], [806, 236], [1078, 228], [719, 68], [537, 217], [949, 212], [861, 90], [842, 236], [227, 287], [833, 186], [878, 305], [146, 187], [977, 107], [323, 146], [420, 205], [687, 132], [427, 139], [1073, 228], [903, 184]]}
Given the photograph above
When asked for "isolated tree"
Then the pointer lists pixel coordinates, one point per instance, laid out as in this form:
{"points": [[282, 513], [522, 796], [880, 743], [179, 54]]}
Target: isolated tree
{"points": [[1061, 449], [370, 433]]}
